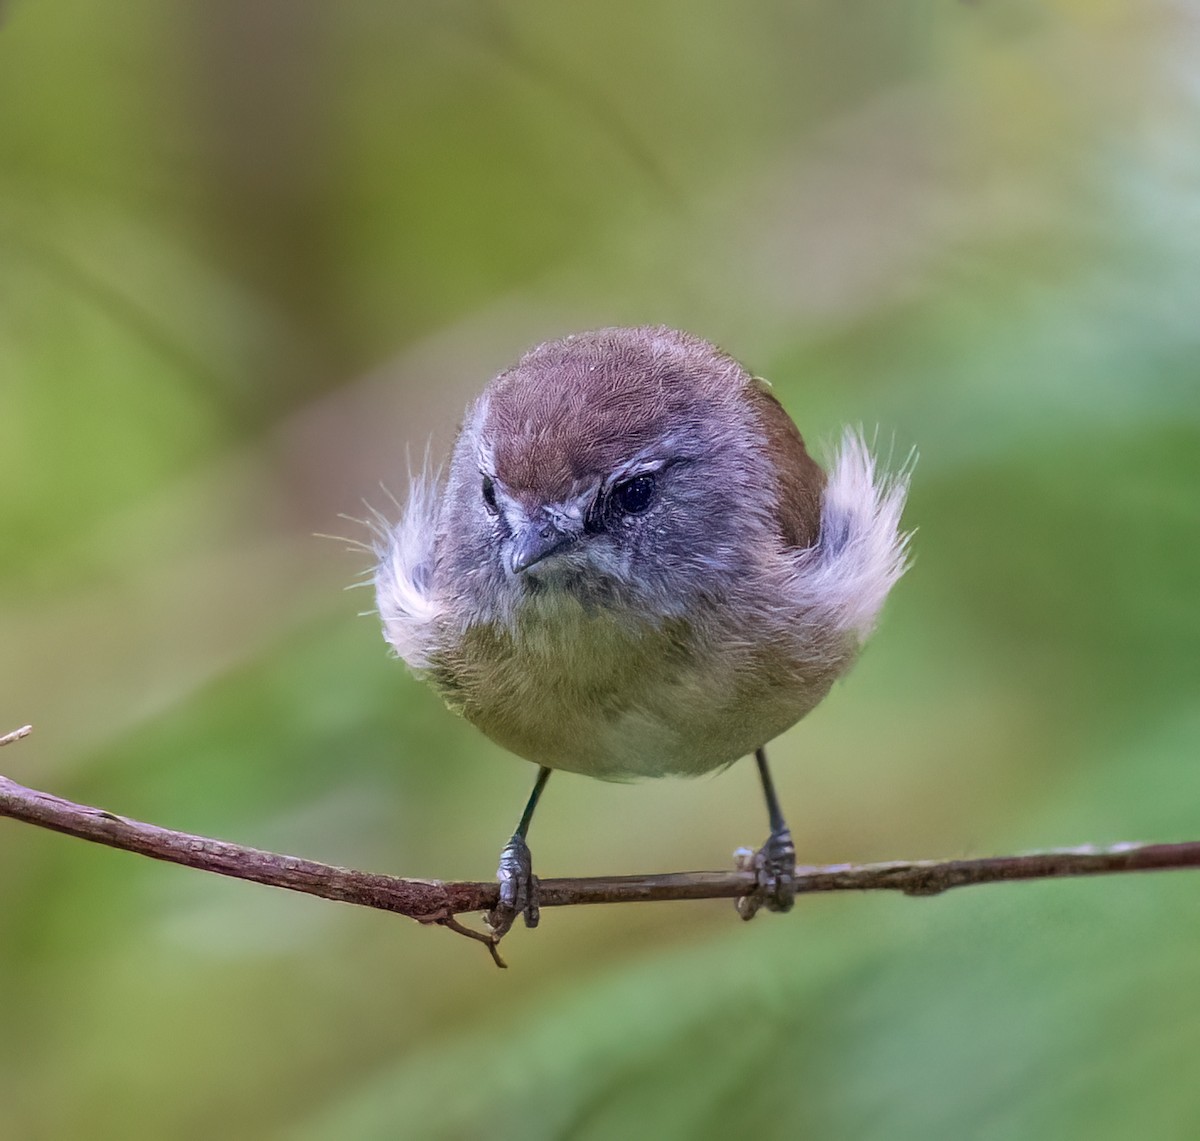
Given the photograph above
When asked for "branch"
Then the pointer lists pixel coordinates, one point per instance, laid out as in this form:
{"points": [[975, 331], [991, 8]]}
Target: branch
{"points": [[16, 735], [435, 901]]}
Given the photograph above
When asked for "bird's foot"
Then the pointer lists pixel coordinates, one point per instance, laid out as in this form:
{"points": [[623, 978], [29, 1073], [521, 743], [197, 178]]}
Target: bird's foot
{"points": [[518, 889], [774, 868]]}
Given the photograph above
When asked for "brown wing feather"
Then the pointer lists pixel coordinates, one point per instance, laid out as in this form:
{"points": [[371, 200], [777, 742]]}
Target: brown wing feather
{"points": [[801, 480]]}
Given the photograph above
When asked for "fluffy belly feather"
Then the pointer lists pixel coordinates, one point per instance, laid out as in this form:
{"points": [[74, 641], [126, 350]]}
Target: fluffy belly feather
{"points": [[587, 692]]}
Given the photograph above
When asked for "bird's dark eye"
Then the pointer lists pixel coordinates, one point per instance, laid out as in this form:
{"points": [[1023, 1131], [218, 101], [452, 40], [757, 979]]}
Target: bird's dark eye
{"points": [[489, 496], [633, 495]]}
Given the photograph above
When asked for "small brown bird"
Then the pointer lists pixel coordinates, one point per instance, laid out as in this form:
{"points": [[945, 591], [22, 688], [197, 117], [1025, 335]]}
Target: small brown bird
{"points": [[634, 568]]}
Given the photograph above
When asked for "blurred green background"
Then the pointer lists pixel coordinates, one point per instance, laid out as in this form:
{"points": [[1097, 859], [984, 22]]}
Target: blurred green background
{"points": [[254, 255]]}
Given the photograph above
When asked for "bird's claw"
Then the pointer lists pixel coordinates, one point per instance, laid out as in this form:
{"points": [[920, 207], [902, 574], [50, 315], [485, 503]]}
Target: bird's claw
{"points": [[774, 867], [518, 889]]}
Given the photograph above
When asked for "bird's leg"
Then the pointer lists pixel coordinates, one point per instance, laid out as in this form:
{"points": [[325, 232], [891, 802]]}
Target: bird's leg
{"points": [[518, 884], [774, 864]]}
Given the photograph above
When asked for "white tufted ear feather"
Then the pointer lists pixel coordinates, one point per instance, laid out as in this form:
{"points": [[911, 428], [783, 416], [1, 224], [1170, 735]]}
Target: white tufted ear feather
{"points": [[862, 551], [404, 575]]}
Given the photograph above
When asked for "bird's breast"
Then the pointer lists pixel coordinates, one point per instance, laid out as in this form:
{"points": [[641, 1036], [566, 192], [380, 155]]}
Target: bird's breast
{"points": [[612, 696]]}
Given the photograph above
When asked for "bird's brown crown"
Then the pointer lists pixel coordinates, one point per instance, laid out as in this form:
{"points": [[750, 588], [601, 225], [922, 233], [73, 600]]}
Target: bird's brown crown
{"points": [[571, 411]]}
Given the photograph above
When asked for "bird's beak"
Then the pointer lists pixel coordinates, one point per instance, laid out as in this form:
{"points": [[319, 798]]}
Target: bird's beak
{"points": [[538, 540]]}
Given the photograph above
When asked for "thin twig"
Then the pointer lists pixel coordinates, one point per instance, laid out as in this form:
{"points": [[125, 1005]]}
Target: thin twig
{"points": [[435, 901], [491, 942]]}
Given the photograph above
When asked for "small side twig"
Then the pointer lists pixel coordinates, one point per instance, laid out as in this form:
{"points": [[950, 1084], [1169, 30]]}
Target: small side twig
{"points": [[492, 942], [438, 902]]}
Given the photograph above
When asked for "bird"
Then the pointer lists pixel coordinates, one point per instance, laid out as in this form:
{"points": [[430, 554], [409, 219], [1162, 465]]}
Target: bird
{"points": [[634, 568]]}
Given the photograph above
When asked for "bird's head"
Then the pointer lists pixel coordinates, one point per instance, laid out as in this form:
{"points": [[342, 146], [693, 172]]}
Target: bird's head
{"points": [[640, 464]]}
